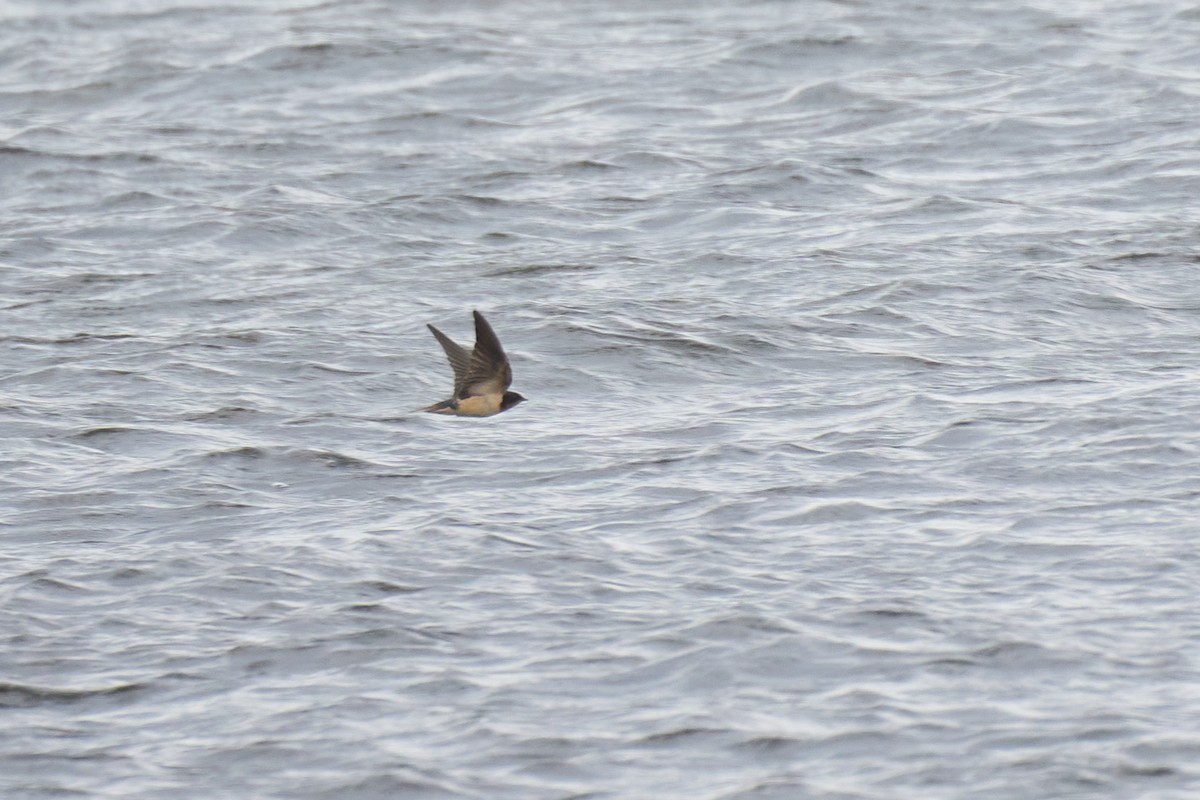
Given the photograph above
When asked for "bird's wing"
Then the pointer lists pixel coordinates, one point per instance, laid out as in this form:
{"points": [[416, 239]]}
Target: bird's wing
{"points": [[460, 359], [488, 370]]}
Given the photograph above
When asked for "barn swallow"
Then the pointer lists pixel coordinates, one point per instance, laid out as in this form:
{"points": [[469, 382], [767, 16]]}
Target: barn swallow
{"points": [[481, 377]]}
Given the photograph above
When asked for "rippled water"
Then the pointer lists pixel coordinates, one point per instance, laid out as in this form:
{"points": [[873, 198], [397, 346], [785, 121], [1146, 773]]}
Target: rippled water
{"points": [[861, 348]]}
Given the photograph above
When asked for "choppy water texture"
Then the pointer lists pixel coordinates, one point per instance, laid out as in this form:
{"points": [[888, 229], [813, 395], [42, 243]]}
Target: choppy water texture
{"points": [[861, 452]]}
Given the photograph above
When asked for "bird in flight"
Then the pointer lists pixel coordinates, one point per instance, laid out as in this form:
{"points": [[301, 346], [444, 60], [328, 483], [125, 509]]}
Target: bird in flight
{"points": [[481, 377]]}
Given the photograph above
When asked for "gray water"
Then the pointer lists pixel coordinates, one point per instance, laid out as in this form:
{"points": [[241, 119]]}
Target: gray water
{"points": [[861, 348]]}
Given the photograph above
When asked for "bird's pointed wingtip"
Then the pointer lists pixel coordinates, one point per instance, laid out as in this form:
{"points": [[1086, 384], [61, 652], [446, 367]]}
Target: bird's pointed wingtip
{"points": [[482, 326]]}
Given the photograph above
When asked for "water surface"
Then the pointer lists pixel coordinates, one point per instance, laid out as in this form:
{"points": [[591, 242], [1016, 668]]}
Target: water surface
{"points": [[860, 456]]}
